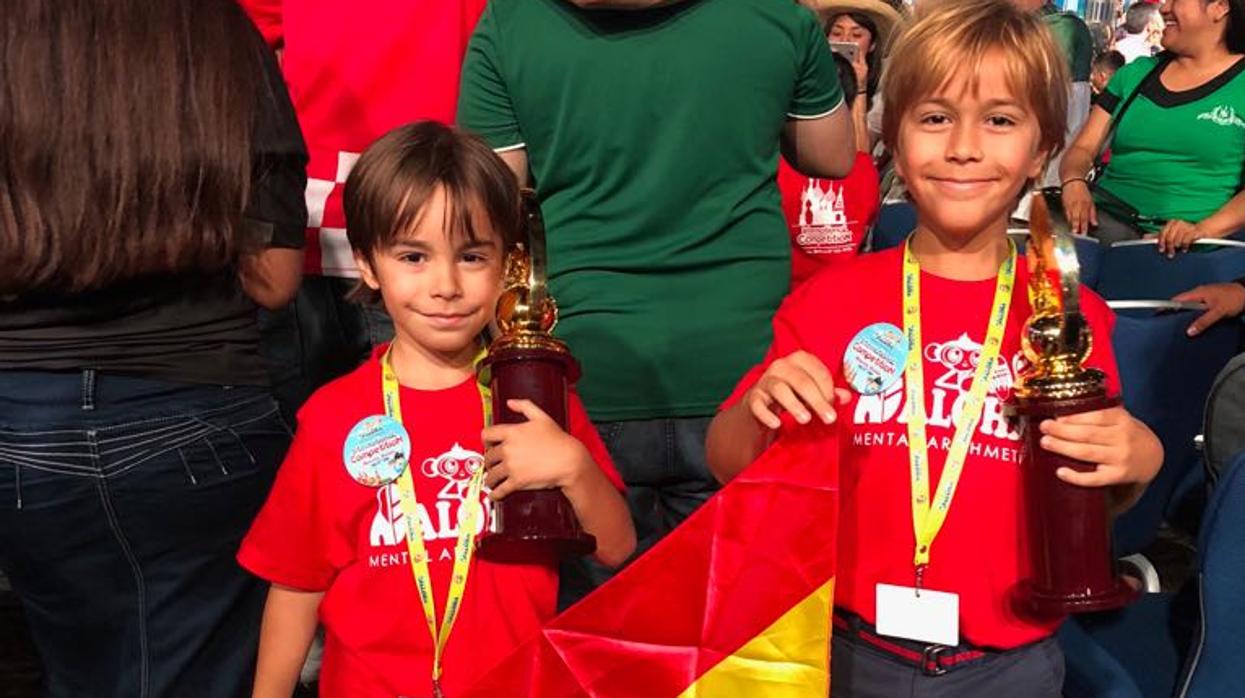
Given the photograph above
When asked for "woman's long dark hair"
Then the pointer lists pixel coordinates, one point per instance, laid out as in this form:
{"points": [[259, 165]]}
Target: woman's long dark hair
{"points": [[125, 139], [1234, 35], [876, 49]]}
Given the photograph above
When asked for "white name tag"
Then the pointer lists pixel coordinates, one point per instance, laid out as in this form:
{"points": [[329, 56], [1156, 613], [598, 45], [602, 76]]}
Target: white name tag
{"points": [[924, 616]]}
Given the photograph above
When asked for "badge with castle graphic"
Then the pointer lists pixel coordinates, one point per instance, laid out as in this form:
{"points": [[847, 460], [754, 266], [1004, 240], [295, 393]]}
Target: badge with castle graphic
{"points": [[875, 358], [824, 227], [376, 451]]}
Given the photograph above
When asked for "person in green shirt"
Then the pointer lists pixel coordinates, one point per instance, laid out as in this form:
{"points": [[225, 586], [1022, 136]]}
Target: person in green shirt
{"points": [[1178, 152], [652, 138]]}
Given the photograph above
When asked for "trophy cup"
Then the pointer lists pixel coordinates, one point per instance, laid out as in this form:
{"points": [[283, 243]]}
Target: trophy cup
{"points": [[527, 362], [1070, 534]]}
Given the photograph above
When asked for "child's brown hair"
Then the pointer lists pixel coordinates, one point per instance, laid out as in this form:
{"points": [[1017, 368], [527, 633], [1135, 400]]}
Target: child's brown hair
{"points": [[394, 178], [955, 35]]}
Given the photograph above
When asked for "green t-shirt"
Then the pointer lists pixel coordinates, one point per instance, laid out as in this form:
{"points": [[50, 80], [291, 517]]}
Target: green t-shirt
{"points": [[652, 138], [1175, 155], [1073, 39]]}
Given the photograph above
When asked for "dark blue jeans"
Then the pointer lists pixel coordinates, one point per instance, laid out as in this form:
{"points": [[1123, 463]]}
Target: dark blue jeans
{"points": [[662, 461], [122, 504]]}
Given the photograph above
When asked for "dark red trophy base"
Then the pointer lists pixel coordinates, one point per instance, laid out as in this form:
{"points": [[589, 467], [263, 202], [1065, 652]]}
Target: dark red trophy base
{"points": [[1069, 526], [528, 525]]}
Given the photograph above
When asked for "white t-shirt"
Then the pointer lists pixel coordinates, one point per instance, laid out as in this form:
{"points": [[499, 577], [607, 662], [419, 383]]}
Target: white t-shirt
{"points": [[1134, 46]]}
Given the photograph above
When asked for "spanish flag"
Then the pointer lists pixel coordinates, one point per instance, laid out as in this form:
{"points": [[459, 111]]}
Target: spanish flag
{"points": [[734, 602]]}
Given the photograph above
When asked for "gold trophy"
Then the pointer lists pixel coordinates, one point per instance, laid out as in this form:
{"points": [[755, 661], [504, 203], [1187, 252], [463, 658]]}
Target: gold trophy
{"points": [[1070, 533], [527, 362]]}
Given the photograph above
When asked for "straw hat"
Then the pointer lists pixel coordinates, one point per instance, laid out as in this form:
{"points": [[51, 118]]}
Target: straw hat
{"points": [[885, 17]]}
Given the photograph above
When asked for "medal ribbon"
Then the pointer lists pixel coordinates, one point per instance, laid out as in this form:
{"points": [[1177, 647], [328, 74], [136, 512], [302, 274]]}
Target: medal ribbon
{"points": [[463, 547], [927, 520]]}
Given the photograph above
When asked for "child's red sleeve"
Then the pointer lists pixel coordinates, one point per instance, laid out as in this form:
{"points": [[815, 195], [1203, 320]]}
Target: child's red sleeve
{"points": [[293, 541], [582, 428], [1101, 325]]}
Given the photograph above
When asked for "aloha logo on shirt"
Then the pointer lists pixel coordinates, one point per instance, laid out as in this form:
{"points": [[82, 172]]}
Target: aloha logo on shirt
{"points": [[439, 521], [955, 362], [824, 227], [1222, 115]]}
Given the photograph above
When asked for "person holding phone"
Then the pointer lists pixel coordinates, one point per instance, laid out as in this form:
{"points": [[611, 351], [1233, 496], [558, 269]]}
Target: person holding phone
{"points": [[860, 31]]}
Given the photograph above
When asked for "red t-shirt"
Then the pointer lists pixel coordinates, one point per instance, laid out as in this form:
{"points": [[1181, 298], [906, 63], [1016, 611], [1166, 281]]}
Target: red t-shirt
{"points": [[322, 531], [827, 218], [981, 553], [356, 70]]}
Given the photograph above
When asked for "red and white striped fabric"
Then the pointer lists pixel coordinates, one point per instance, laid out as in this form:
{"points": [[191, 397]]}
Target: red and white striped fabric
{"points": [[356, 70]]}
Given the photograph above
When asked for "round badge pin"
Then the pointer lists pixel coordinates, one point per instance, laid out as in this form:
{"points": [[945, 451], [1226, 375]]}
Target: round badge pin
{"points": [[875, 358], [376, 451]]}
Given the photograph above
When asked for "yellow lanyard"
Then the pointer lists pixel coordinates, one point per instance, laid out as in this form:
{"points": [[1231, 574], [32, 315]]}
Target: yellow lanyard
{"points": [[927, 520], [463, 548]]}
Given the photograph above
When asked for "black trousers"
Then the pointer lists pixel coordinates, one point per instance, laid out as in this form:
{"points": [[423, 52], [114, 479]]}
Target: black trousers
{"points": [[859, 670]]}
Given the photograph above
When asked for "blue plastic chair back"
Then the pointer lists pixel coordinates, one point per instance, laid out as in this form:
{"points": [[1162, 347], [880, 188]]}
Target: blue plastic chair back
{"points": [[895, 222], [1135, 652], [1136, 271], [1166, 377], [1089, 254], [1214, 667]]}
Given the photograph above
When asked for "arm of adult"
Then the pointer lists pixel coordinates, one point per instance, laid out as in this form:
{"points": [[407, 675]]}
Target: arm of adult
{"points": [[1078, 203], [285, 635], [271, 277], [277, 210], [821, 147], [817, 138], [1177, 236], [1221, 300], [860, 124], [516, 160]]}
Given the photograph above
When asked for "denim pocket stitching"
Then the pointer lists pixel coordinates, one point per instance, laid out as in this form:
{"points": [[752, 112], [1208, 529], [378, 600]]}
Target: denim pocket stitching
{"points": [[209, 430], [52, 468], [139, 456]]}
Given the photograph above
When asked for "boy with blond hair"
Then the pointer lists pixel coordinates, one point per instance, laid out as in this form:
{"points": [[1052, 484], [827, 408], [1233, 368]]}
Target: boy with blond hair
{"points": [[975, 105]]}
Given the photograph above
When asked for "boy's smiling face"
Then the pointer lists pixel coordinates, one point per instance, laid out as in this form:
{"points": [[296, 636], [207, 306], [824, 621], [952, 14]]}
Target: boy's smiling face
{"points": [[441, 289], [966, 151]]}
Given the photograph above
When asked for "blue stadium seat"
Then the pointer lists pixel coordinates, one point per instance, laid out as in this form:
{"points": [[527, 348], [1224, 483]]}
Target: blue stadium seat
{"points": [[895, 222], [1214, 667], [1089, 254], [1135, 652], [1134, 270], [1166, 377]]}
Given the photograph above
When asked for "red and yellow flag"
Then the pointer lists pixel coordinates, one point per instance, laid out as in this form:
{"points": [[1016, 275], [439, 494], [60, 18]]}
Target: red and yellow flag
{"points": [[734, 602]]}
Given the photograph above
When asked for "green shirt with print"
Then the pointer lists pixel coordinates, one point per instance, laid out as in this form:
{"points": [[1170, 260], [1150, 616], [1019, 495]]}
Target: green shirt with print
{"points": [[652, 137], [1175, 155]]}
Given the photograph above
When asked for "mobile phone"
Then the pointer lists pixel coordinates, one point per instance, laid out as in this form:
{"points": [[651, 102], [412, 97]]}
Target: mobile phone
{"points": [[845, 49]]}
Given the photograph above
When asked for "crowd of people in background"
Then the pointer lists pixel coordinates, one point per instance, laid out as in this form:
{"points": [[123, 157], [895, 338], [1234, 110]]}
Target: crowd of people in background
{"points": [[195, 195]]}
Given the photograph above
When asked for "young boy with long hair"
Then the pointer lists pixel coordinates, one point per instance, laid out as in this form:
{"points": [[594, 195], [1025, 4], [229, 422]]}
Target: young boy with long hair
{"points": [[402, 444], [974, 106]]}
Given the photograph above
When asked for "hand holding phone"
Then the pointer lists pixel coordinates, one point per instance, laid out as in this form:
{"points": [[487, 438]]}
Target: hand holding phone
{"points": [[845, 49]]}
